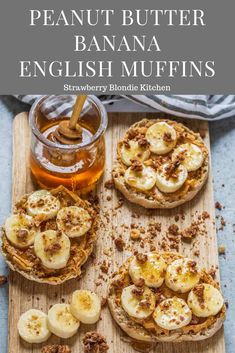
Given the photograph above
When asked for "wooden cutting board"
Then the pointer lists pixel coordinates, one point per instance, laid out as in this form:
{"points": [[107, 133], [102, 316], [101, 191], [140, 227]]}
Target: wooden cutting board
{"points": [[24, 294]]}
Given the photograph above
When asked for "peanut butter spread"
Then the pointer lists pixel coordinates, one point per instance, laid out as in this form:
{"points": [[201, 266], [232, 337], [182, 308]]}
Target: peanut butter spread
{"points": [[28, 264], [122, 279]]}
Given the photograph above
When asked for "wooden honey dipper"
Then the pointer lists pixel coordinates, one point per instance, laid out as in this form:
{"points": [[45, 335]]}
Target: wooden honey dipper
{"points": [[69, 132]]}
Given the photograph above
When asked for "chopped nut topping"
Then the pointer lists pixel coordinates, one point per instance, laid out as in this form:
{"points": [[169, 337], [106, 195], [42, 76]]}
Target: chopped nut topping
{"points": [[132, 133], [198, 290], [119, 243], [126, 144], [22, 235], [143, 142], [94, 342], [171, 168], [145, 303], [192, 266], [53, 248], [136, 166], [166, 305], [138, 291], [195, 320], [141, 258], [56, 348], [140, 283], [179, 269], [152, 247], [118, 283], [158, 295], [167, 137]]}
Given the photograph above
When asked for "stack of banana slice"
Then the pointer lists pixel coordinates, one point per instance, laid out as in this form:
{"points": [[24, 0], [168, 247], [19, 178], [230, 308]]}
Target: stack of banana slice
{"points": [[63, 320], [167, 294], [39, 237], [161, 164]]}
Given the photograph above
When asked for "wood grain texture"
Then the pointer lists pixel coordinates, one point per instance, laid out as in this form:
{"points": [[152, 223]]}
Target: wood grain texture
{"points": [[24, 294]]}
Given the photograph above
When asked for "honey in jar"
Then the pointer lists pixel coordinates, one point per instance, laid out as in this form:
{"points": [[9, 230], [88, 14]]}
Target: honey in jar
{"points": [[77, 166]]}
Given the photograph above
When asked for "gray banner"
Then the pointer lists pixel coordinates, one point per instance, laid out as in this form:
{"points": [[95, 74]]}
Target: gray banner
{"points": [[59, 48]]}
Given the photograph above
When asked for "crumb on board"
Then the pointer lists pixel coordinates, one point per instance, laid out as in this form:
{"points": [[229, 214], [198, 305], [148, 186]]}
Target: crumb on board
{"points": [[104, 267], [56, 348], [196, 253], [135, 234], [177, 217], [3, 280], [222, 249], [218, 206], [104, 302], [205, 215], [119, 243], [202, 133], [94, 342], [191, 231], [222, 221], [212, 272], [109, 184]]}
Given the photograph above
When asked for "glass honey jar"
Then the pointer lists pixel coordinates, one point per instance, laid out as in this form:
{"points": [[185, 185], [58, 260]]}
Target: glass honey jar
{"points": [[76, 166]]}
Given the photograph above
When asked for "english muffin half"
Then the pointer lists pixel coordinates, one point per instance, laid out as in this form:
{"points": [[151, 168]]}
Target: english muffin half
{"points": [[160, 164], [49, 236], [165, 297]]}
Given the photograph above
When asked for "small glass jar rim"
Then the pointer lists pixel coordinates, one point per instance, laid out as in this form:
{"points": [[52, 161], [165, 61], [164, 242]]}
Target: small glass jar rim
{"points": [[95, 137]]}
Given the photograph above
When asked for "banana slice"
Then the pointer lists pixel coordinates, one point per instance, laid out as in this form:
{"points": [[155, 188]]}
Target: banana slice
{"points": [[168, 184], [134, 151], [182, 275], [143, 180], [172, 314], [161, 137], [138, 302], [192, 156], [86, 306], [52, 248], [61, 322], [73, 221], [42, 205], [20, 230], [32, 326], [205, 300], [152, 271]]}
